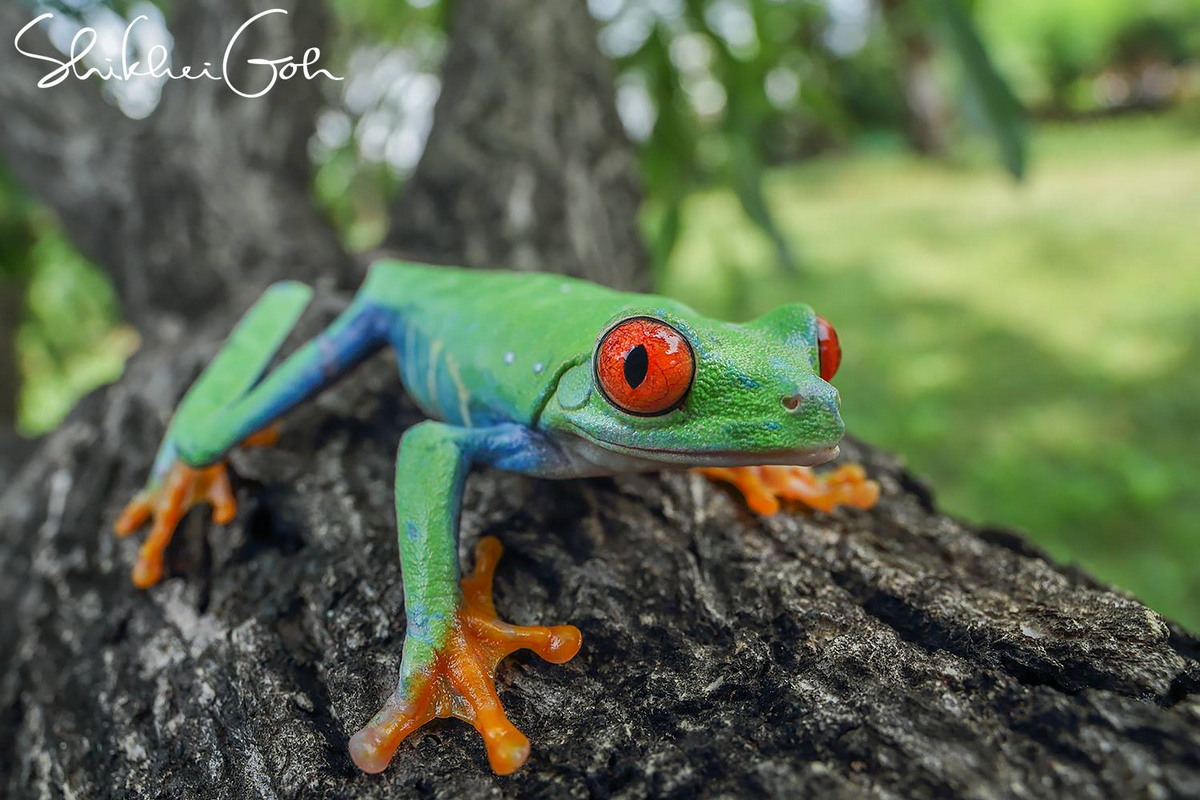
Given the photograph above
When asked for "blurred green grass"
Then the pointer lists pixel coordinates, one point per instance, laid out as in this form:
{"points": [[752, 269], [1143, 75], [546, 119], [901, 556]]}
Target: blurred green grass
{"points": [[1033, 349]]}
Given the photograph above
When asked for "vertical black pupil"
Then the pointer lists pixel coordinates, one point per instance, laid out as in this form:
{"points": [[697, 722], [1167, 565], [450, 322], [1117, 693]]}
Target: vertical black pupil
{"points": [[637, 362]]}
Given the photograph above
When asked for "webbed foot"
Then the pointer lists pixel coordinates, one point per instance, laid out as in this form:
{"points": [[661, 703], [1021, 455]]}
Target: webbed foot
{"points": [[764, 487], [168, 500], [459, 681]]}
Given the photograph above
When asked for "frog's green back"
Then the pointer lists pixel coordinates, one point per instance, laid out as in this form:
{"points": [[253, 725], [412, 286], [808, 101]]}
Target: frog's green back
{"points": [[483, 346]]}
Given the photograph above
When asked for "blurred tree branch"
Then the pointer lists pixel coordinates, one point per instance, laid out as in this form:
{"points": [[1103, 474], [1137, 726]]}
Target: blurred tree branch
{"points": [[993, 100], [926, 111]]}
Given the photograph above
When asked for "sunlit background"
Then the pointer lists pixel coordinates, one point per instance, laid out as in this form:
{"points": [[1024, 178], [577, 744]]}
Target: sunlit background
{"points": [[997, 203]]}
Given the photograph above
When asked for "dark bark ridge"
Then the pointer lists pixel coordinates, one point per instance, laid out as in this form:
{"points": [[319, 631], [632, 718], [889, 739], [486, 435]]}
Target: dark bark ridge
{"points": [[890, 653]]}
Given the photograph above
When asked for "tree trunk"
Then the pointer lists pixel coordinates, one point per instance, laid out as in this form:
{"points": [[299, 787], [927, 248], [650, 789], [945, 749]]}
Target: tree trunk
{"points": [[885, 654], [13, 448], [16, 247], [527, 165], [12, 301]]}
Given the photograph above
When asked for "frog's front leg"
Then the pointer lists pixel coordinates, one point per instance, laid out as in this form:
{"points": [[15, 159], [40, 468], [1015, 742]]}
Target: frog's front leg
{"points": [[454, 639], [231, 403]]}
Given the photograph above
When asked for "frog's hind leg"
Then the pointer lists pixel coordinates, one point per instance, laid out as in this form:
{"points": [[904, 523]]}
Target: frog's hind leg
{"points": [[764, 487], [454, 639]]}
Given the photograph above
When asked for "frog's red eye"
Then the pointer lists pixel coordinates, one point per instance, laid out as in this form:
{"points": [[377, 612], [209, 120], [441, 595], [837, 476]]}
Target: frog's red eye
{"points": [[644, 366], [829, 352]]}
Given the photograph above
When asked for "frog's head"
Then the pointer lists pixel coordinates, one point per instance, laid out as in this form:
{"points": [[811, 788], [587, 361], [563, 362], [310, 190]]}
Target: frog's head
{"points": [[666, 385]]}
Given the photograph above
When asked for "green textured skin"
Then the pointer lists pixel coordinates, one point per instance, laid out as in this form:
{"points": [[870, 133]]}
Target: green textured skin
{"points": [[503, 360], [473, 320], [234, 371], [430, 472]]}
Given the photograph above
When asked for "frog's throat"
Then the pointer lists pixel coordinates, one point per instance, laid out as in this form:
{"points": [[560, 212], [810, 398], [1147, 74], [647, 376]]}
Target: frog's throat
{"points": [[800, 457]]}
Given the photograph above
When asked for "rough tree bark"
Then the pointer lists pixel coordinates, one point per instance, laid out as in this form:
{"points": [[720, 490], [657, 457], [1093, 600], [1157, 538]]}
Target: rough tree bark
{"points": [[12, 301], [13, 448], [16, 245], [521, 171], [891, 653]]}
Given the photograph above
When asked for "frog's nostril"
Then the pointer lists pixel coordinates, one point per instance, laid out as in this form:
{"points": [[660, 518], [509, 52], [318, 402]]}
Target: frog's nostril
{"points": [[792, 402]]}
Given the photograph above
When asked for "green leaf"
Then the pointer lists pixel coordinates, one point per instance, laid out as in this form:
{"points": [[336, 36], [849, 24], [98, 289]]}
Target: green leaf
{"points": [[1001, 109]]}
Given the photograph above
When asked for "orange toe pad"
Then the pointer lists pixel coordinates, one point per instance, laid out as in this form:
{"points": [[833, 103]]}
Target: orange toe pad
{"points": [[765, 487], [167, 502], [181, 490], [460, 682]]}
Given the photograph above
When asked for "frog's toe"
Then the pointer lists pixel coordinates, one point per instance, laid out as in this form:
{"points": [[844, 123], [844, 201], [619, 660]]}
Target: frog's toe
{"points": [[165, 505], [167, 500], [460, 680], [765, 487], [372, 747]]}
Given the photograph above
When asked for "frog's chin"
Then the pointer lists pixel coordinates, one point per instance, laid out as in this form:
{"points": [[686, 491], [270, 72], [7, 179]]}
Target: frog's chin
{"points": [[686, 459], [732, 458]]}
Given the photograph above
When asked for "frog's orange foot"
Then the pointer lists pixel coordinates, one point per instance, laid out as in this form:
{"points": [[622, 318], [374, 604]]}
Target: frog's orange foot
{"points": [[168, 501], [180, 490], [460, 681], [765, 487]]}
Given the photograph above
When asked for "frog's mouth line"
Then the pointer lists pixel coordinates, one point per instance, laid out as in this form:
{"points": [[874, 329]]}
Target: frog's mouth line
{"points": [[723, 458]]}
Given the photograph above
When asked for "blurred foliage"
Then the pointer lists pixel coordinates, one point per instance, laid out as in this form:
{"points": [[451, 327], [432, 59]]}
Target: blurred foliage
{"points": [[1058, 53], [370, 136], [734, 85], [69, 340], [989, 93], [17, 238], [17, 232], [713, 91], [1035, 353], [716, 91]]}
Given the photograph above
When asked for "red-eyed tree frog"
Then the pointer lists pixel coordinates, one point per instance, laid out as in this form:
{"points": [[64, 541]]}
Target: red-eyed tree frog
{"points": [[534, 373]]}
